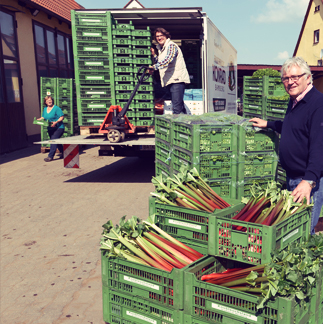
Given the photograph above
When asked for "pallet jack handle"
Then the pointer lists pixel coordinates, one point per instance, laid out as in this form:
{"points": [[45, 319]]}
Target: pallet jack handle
{"points": [[141, 78]]}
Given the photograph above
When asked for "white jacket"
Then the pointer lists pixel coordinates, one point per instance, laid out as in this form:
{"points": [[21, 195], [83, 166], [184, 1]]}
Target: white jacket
{"points": [[176, 71]]}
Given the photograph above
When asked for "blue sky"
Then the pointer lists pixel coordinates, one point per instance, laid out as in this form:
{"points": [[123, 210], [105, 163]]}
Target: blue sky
{"points": [[262, 31]]}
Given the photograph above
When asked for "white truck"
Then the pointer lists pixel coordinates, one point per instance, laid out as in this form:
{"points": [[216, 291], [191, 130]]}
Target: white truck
{"points": [[216, 57]]}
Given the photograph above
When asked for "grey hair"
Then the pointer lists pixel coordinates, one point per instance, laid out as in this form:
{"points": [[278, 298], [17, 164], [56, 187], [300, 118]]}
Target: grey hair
{"points": [[300, 62]]}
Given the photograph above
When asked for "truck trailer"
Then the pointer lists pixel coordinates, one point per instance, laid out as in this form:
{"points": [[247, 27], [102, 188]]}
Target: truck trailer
{"points": [[214, 73]]}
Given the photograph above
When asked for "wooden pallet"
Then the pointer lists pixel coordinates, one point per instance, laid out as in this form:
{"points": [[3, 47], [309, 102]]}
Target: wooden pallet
{"points": [[87, 130]]}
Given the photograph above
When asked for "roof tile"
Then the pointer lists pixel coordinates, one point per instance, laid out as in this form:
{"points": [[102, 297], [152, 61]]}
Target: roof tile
{"points": [[59, 7]]}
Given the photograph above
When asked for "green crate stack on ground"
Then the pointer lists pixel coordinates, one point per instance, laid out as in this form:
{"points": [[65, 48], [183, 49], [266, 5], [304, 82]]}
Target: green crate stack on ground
{"points": [[62, 91], [131, 51], [93, 57], [48, 87], [258, 158], [264, 97], [65, 100]]}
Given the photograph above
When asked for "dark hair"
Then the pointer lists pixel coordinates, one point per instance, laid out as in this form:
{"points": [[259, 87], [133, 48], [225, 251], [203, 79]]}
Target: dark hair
{"points": [[47, 97], [163, 31]]}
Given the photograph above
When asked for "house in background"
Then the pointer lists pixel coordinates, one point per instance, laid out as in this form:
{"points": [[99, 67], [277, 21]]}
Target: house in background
{"points": [[310, 41], [35, 42]]}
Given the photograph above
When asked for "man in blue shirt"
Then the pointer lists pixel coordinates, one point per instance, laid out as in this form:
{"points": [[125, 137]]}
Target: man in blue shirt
{"points": [[301, 144]]}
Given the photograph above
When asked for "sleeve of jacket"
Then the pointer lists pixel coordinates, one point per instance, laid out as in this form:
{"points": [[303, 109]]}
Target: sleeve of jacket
{"points": [[314, 168]]}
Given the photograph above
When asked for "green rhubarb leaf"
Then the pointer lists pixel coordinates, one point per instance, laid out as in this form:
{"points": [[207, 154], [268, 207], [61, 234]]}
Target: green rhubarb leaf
{"points": [[292, 276], [300, 295]]}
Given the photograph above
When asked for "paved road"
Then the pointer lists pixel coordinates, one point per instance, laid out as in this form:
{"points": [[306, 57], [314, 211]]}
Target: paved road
{"points": [[51, 221]]}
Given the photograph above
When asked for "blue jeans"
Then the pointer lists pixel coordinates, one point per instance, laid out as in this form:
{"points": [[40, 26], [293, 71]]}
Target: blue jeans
{"points": [[55, 133], [177, 94], [316, 197]]}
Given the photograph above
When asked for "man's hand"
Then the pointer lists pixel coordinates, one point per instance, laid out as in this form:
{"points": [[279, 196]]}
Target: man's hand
{"points": [[258, 122], [302, 190], [151, 70]]}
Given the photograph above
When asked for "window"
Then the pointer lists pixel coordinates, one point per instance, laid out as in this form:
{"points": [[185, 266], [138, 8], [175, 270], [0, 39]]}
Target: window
{"points": [[316, 36], [317, 9], [53, 52], [9, 63]]}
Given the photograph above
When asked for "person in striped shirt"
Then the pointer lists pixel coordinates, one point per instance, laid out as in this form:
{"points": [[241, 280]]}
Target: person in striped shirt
{"points": [[172, 68]]}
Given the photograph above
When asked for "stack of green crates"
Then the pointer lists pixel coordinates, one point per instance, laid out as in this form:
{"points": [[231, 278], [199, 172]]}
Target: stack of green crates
{"points": [[107, 57], [94, 77], [62, 91], [231, 156], [264, 97], [131, 50]]}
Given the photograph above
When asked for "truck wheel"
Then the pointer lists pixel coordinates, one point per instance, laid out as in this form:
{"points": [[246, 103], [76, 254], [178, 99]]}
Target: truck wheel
{"points": [[114, 136]]}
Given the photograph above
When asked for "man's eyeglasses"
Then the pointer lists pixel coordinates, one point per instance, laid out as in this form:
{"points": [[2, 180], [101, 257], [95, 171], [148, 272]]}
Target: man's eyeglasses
{"points": [[293, 78]]}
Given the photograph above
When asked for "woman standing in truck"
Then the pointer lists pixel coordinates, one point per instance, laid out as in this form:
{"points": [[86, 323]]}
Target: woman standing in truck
{"points": [[55, 116], [172, 68]]}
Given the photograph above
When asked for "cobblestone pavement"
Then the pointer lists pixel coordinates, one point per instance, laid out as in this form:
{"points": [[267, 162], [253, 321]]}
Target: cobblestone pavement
{"points": [[51, 220]]}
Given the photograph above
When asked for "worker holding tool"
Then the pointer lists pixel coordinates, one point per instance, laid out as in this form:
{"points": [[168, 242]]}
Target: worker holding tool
{"points": [[55, 116], [301, 143], [172, 68]]}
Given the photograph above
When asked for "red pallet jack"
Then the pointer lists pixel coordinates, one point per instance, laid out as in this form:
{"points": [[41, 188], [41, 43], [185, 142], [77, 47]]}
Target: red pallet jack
{"points": [[116, 124]]}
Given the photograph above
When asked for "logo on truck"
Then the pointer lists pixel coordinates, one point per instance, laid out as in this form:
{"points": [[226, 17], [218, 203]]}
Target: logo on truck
{"points": [[218, 74]]}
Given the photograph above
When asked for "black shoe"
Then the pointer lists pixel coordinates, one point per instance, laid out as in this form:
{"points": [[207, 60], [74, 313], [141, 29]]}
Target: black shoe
{"points": [[48, 159]]}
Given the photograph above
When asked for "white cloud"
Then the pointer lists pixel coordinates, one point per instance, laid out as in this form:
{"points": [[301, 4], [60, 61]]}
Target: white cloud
{"points": [[283, 55], [281, 11]]}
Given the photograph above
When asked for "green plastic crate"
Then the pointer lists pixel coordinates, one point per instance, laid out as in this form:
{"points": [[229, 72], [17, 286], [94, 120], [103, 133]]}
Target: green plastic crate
{"points": [[94, 77], [124, 86], [95, 92], [162, 169], [209, 165], [253, 139], [48, 87], [266, 86], [141, 32], [143, 104], [141, 41], [141, 50], [124, 78], [123, 69], [123, 40], [276, 108], [163, 128], [163, 151], [144, 96], [253, 86], [121, 32], [122, 49], [83, 18], [205, 138], [91, 49], [144, 121], [97, 33], [124, 308], [93, 63], [186, 223], [122, 59], [123, 25], [224, 187], [257, 242], [94, 105], [254, 104], [91, 119], [155, 286], [147, 113], [257, 164], [42, 122], [211, 303], [141, 60]]}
